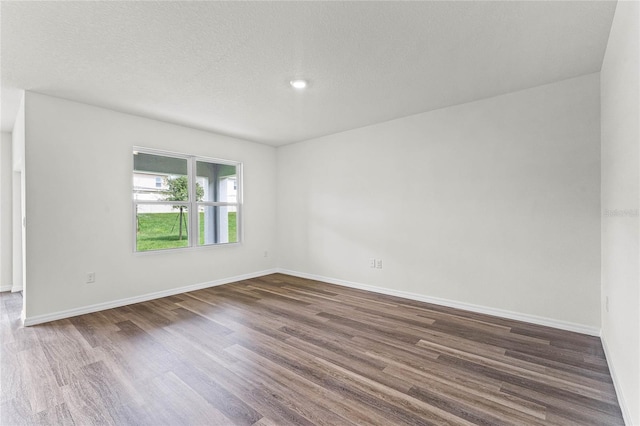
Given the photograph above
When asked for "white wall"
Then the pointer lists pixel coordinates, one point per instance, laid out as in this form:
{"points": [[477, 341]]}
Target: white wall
{"points": [[620, 93], [79, 207], [493, 203], [6, 242]]}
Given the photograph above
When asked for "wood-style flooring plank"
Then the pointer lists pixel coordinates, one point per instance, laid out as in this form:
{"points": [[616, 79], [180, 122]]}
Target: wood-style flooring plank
{"points": [[282, 350]]}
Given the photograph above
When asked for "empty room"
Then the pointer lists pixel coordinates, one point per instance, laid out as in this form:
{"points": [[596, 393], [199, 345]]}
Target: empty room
{"points": [[320, 213]]}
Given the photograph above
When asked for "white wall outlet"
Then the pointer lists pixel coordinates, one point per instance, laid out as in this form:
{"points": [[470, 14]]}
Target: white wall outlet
{"points": [[266, 253], [91, 277], [379, 263], [372, 263], [606, 303]]}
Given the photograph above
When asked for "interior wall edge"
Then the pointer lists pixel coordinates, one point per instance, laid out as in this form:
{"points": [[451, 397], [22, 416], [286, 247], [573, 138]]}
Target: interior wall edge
{"points": [[502, 313], [624, 407], [40, 319]]}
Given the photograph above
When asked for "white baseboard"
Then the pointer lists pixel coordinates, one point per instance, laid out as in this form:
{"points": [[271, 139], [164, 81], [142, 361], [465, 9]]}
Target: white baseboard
{"points": [[549, 322], [39, 319], [563, 325], [5, 288], [626, 414]]}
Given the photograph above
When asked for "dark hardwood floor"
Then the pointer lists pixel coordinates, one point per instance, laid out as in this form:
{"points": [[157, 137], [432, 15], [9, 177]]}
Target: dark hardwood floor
{"points": [[282, 350]]}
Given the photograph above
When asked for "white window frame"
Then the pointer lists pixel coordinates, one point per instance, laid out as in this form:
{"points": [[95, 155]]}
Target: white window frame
{"points": [[192, 205]]}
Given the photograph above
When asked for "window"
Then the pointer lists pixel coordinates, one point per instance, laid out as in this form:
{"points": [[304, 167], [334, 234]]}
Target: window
{"points": [[195, 201]]}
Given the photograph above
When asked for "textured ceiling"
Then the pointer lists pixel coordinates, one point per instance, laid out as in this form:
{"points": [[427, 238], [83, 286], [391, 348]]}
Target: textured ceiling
{"points": [[225, 66]]}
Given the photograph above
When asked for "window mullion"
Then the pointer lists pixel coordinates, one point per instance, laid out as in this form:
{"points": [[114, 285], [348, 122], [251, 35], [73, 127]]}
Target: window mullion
{"points": [[216, 203], [161, 203]]}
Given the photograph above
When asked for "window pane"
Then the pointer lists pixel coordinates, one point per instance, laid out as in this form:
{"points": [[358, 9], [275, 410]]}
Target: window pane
{"points": [[216, 182], [159, 178], [161, 226], [217, 225]]}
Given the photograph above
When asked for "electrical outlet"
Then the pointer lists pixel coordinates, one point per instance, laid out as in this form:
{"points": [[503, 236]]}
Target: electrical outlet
{"points": [[379, 263], [606, 303], [91, 277], [266, 253], [372, 263]]}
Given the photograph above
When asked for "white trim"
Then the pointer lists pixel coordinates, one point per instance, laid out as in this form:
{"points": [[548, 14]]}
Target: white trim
{"points": [[5, 288], [626, 414], [549, 322], [16, 289], [39, 319]]}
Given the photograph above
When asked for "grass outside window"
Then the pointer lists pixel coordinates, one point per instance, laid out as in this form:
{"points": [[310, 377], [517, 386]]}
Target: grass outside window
{"points": [[158, 231]]}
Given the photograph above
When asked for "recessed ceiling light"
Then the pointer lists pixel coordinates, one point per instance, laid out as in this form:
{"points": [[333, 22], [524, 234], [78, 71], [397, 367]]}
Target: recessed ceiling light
{"points": [[298, 84]]}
